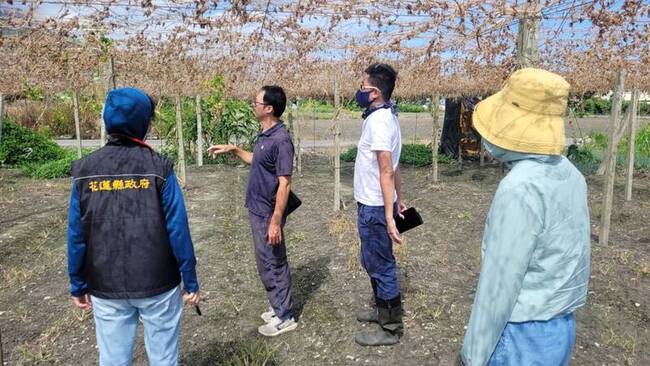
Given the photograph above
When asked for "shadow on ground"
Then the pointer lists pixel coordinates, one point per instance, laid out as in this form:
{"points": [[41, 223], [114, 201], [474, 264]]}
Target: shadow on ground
{"points": [[247, 350], [306, 280]]}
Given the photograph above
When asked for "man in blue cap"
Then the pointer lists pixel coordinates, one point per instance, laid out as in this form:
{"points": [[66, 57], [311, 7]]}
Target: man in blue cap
{"points": [[129, 241]]}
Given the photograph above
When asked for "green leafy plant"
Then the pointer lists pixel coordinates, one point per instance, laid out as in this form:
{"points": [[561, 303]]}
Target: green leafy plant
{"points": [[412, 154], [597, 140], [316, 105], [410, 107], [584, 158], [588, 157], [224, 121], [349, 155], [213, 102], [237, 123], [240, 352], [643, 140], [20, 146], [59, 168], [164, 124], [33, 92], [351, 106], [416, 155], [644, 108], [591, 106], [50, 169], [105, 45]]}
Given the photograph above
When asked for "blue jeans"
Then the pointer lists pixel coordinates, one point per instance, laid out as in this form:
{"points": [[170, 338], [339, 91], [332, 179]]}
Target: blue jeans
{"points": [[116, 323], [377, 251], [543, 343]]}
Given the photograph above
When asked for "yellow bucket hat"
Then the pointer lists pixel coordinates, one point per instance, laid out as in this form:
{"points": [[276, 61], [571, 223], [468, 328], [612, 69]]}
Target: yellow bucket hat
{"points": [[527, 114]]}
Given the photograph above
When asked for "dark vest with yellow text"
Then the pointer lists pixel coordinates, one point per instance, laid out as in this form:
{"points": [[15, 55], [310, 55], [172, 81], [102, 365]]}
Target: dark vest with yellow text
{"points": [[128, 253]]}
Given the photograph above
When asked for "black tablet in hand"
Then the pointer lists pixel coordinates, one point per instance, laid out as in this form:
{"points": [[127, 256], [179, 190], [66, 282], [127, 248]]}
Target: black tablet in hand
{"points": [[411, 219]]}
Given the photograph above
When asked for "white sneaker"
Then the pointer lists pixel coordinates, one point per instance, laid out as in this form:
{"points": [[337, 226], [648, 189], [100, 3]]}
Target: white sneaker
{"points": [[276, 327], [269, 315]]}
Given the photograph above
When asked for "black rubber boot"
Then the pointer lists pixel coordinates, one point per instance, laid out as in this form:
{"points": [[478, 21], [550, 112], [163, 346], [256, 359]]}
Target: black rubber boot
{"points": [[379, 337], [389, 314], [373, 283], [370, 316]]}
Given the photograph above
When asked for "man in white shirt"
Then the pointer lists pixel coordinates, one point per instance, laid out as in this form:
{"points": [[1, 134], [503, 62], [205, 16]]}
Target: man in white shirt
{"points": [[377, 192]]}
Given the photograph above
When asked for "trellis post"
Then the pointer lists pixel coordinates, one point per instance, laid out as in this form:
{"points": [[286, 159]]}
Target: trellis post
{"points": [[631, 144], [111, 84], [181, 144], [199, 133], [527, 45], [313, 123], [337, 147], [298, 138], [77, 124], [610, 167], [434, 107], [2, 113], [2, 357]]}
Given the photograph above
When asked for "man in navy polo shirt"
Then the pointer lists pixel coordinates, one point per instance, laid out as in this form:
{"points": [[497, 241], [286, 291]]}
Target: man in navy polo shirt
{"points": [[267, 194]]}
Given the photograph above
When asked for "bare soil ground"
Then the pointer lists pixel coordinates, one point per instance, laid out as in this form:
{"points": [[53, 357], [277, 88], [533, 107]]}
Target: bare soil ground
{"points": [[438, 268]]}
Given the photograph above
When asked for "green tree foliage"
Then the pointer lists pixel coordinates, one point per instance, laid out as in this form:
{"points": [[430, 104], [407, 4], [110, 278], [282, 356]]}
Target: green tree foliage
{"points": [[224, 121]]}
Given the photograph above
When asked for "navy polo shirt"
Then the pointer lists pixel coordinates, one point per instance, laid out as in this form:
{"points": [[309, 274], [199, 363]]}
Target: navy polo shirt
{"points": [[272, 158]]}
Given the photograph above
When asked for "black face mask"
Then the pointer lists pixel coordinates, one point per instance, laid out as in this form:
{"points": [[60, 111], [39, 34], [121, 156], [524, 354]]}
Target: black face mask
{"points": [[363, 98]]}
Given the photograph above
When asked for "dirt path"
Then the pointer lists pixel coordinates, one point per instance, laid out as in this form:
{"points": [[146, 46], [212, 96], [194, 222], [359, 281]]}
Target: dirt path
{"points": [[438, 270]]}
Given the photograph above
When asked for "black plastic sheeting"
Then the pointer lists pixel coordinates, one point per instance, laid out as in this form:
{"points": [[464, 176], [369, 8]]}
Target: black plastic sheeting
{"points": [[457, 129]]}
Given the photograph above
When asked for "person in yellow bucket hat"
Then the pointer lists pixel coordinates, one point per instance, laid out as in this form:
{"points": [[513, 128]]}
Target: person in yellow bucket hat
{"points": [[536, 245]]}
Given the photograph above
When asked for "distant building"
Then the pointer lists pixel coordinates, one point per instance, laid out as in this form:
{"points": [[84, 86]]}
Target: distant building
{"points": [[627, 96]]}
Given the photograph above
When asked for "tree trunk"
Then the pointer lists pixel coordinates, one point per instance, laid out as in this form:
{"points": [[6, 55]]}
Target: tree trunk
{"points": [[181, 144], [313, 124], [199, 133], [337, 148], [618, 131], [435, 106], [291, 130], [2, 113], [298, 139], [290, 118], [415, 137], [527, 38], [111, 84], [77, 124], [633, 110], [610, 167], [2, 357], [293, 122]]}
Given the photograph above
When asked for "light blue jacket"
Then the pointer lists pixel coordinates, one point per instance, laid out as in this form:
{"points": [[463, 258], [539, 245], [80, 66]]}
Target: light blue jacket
{"points": [[535, 251]]}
